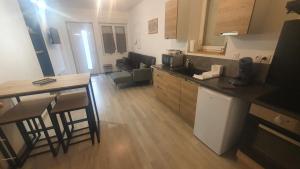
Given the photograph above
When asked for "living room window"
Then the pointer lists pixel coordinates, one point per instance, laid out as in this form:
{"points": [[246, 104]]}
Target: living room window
{"points": [[114, 38]]}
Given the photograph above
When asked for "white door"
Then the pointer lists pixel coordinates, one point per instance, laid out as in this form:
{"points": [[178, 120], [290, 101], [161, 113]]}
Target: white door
{"points": [[82, 40]]}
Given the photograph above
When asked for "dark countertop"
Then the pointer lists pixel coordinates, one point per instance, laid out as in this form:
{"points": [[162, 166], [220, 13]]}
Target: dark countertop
{"points": [[248, 93]]}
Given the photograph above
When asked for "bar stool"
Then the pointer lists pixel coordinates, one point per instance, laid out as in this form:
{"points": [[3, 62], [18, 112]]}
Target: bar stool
{"points": [[67, 104], [26, 111]]}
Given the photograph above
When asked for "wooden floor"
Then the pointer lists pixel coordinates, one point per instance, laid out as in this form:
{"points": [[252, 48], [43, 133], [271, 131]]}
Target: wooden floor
{"points": [[138, 132]]}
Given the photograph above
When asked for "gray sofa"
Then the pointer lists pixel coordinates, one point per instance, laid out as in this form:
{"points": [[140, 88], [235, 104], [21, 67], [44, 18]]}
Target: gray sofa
{"points": [[132, 70]]}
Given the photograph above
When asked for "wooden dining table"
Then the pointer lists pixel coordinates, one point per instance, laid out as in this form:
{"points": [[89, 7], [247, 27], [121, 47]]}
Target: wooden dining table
{"points": [[20, 88]]}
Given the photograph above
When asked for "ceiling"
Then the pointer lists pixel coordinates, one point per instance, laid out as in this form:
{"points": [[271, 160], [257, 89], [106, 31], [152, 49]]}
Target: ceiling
{"points": [[118, 5]]}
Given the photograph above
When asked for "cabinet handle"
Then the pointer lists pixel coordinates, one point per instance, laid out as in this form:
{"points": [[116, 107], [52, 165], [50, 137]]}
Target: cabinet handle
{"points": [[288, 139]]}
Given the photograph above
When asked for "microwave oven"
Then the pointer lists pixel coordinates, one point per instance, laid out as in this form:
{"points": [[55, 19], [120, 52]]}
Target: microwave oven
{"points": [[173, 61]]}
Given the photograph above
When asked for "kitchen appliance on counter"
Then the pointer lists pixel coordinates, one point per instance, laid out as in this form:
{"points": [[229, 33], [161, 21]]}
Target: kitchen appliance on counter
{"points": [[173, 61], [174, 52], [219, 119], [245, 72]]}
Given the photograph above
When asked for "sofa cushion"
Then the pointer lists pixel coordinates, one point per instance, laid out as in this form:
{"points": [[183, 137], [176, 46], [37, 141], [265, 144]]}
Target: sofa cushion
{"points": [[143, 65], [121, 77], [149, 60], [134, 60]]}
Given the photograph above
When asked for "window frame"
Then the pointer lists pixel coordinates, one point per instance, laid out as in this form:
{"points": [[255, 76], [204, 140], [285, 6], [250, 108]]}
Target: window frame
{"points": [[113, 25], [201, 45]]}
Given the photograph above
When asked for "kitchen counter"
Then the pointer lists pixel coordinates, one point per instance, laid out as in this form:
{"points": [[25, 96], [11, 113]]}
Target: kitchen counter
{"points": [[247, 93]]}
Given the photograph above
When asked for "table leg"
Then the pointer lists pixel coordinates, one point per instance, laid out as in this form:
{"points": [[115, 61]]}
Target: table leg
{"points": [[92, 115], [95, 106]]}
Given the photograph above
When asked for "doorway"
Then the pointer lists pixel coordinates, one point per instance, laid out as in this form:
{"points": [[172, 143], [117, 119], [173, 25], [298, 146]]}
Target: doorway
{"points": [[83, 46]]}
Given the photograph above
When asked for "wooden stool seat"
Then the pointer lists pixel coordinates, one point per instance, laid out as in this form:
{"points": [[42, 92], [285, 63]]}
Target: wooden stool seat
{"points": [[30, 112], [70, 102], [26, 110], [67, 103]]}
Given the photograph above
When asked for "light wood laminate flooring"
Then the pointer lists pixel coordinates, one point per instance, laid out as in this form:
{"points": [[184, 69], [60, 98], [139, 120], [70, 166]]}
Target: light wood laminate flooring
{"points": [[137, 132]]}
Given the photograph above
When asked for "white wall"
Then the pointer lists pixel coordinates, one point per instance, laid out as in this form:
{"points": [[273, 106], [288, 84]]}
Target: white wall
{"points": [[268, 19], [60, 16], [17, 57], [139, 39], [55, 51]]}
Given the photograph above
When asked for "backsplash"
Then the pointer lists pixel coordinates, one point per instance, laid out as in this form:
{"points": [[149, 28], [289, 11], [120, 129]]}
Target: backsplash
{"points": [[231, 67]]}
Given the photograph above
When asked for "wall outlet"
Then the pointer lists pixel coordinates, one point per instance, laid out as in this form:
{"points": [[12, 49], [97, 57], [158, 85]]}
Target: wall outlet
{"points": [[257, 59], [236, 56], [265, 59]]}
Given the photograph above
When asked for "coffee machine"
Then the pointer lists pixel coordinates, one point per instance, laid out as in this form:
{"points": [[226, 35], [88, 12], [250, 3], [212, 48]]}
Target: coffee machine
{"points": [[245, 72]]}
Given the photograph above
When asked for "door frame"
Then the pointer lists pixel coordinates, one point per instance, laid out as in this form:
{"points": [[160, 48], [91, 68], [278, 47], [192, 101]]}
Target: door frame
{"points": [[98, 67]]}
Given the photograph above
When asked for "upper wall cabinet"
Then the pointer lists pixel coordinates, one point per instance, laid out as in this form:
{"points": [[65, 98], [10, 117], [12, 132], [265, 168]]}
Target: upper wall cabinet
{"points": [[177, 19], [171, 19], [234, 17]]}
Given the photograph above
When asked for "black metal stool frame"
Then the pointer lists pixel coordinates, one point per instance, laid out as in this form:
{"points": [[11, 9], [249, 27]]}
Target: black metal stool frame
{"points": [[36, 132], [71, 123], [11, 156], [8, 152], [92, 107], [92, 101]]}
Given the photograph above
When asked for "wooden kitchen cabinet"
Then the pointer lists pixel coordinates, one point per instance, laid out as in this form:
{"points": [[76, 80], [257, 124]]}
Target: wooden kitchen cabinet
{"points": [[171, 15], [188, 101], [234, 16], [177, 19], [167, 89], [178, 94]]}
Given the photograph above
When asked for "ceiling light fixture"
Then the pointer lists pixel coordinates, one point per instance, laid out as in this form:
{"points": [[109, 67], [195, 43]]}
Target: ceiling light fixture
{"points": [[40, 4], [99, 7]]}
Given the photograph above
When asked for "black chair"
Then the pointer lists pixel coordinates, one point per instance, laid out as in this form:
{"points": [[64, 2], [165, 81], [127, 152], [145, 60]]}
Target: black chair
{"points": [[29, 113], [66, 104]]}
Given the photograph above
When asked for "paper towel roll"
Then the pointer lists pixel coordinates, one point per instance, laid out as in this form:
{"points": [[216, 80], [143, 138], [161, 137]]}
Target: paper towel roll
{"points": [[192, 45]]}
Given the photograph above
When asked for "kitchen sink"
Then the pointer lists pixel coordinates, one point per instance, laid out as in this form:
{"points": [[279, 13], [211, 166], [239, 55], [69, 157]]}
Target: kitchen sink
{"points": [[188, 72]]}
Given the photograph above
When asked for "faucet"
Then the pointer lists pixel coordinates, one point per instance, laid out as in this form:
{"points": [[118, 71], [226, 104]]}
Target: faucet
{"points": [[188, 63]]}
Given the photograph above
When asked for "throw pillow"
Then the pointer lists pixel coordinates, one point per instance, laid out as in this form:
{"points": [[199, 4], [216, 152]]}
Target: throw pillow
{"points": [[143, 65]]}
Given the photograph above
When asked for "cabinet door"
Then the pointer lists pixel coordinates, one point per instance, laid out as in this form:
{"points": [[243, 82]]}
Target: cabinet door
{"points": [[234, 16], [188, 101], [173, 92], [171, 14], [159, 85]]}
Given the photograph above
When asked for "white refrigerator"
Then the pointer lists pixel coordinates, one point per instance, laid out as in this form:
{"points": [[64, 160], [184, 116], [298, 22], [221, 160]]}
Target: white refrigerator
{"points": [[219, 119]]}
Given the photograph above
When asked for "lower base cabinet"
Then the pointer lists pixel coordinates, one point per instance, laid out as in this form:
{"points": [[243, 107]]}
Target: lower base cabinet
{"points": [[177, 93], [188, 101]]}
